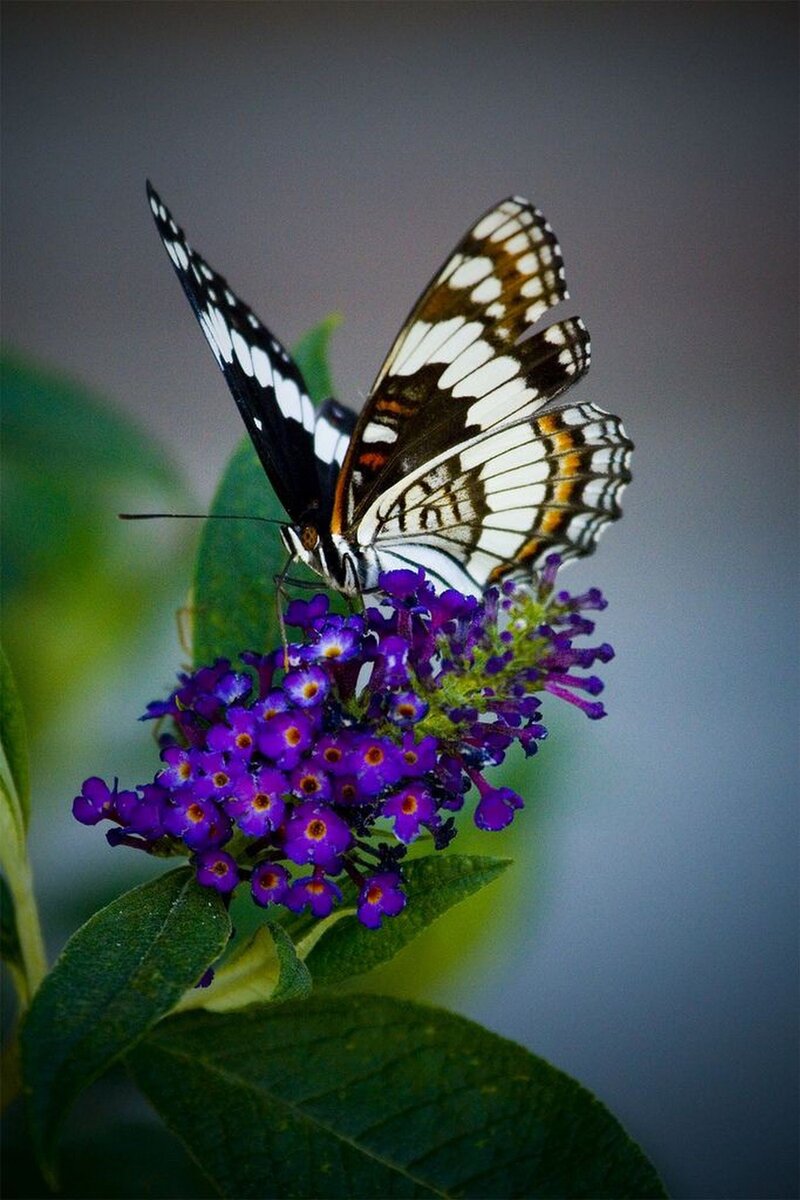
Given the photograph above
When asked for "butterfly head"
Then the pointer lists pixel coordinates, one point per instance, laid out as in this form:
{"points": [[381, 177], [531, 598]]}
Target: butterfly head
{"points": [[327, 554]]}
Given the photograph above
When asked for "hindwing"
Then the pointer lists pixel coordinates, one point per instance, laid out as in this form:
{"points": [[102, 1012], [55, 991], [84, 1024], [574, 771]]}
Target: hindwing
{"points": [[498, 505], [457, 369]]}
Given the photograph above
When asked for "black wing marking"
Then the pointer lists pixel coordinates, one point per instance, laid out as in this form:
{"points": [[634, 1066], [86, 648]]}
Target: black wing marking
{"points": [[457, 368], [499, 505], [266, 384]]}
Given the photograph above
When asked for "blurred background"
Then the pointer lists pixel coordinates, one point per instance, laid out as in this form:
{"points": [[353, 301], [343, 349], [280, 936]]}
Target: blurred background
{"points": [[327, 157]]}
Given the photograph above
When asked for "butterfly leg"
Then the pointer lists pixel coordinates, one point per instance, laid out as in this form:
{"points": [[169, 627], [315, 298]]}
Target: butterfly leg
{"points": [[280, 592]]}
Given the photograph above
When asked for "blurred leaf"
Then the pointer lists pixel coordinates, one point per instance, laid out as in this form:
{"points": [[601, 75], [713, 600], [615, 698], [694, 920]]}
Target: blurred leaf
{"points": [[78, 583], [364, 1096], [234, 606], [14, 743], [266, 968], [312, 357], [118, 974], [10, 949], [433, 884]]}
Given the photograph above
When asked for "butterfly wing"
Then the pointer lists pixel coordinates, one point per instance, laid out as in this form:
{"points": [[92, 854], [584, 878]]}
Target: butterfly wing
{"points": [[457, 369], [332, 430], [266, 384], [498, 505]]}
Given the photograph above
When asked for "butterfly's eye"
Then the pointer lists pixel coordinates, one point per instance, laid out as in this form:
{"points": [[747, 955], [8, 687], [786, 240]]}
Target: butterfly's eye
{"points": [[309, 537]]}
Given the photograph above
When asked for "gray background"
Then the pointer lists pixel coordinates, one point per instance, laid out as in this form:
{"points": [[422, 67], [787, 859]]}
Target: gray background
{"points": [[328, 156]]}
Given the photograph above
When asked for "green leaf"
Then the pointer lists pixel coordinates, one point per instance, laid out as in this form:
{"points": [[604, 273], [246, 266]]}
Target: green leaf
{"points": [[234, 583], [311, 354], [433, 884], [78, 583], [118, 975], [364, 1096], [266, 968], [14, 743], [235, 605], [10, 948]]}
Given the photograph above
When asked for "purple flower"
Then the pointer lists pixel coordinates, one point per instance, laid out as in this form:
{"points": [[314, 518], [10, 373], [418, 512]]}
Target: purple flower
{"points": [[407, 708], [418, 757], [218, 776], [181, 766], [314, 892], [402, 585], [271, 705], [376, 764], [311, 782], [285, 738], [305, 613], [316, 835], [269, 883], [198, 822], [387, 717], [97, 802], [337, 642], [307, 687], [392, 669], [143, 814], [257, 805], [410, 808], [216, 869], [496, 807], [238, 737], [331, 751], [380, 897]]}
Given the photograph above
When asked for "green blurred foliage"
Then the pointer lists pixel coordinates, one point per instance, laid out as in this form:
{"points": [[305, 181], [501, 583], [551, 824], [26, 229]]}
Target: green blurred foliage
{"points": [[78, 583]]}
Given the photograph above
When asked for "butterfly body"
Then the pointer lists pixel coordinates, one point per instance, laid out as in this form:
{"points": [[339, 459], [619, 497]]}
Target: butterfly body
{"points": [[459, 462]]}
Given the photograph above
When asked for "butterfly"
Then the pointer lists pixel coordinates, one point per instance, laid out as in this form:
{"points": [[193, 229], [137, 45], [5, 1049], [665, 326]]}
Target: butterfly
{"points": [[458, 462]]}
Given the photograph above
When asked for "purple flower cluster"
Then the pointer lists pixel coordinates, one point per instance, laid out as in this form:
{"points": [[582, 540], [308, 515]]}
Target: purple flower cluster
{"points": [[295, 770]]}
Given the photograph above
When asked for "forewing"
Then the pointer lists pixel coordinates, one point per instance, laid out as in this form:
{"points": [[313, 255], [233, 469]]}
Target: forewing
{"points": [[266, 384], [497, 506], [458, 369], [332, 429]]}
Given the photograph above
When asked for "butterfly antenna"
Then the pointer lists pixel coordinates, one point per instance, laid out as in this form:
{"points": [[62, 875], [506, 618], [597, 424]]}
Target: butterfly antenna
{"points": [[197, 517]]}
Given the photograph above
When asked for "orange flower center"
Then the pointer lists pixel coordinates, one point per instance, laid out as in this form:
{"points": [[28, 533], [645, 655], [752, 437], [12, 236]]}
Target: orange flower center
{"points": [[374, 894], [195, 813], [409, 805], [316, 829], [220, 779], [292, 735], [374, 756], [261, 801], [244, 740]]}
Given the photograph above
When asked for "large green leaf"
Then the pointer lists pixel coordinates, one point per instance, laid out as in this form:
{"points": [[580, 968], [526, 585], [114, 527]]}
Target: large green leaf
{"points": [[364, 1096], [433, 884], [235, 604], [118, 975]]}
